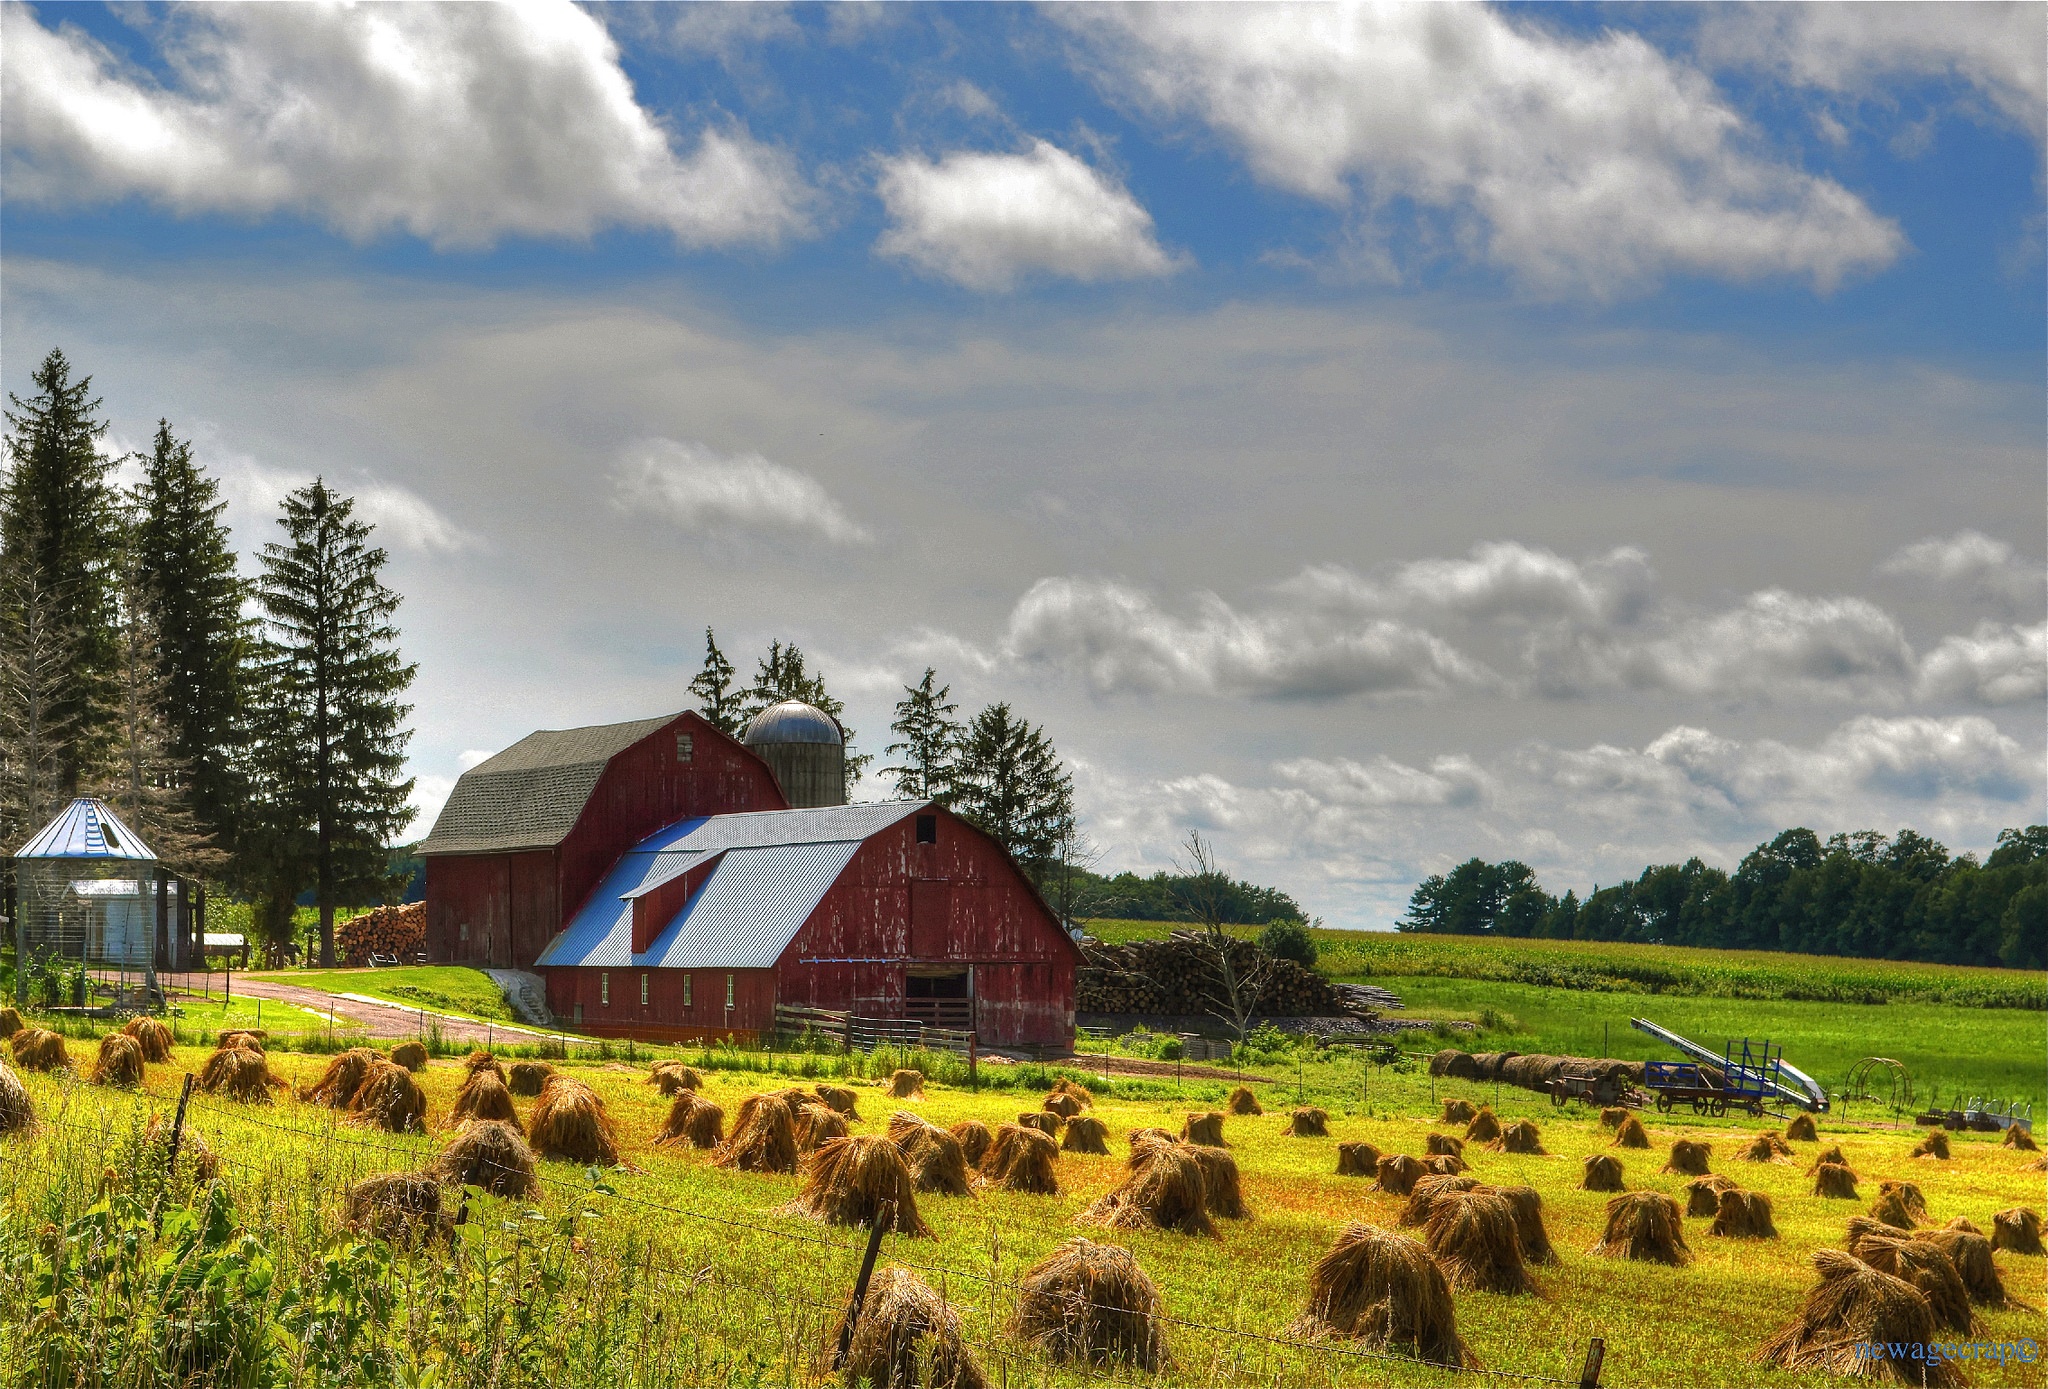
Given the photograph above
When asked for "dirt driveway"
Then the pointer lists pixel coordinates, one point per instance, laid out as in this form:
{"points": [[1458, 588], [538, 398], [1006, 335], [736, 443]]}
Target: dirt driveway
{"points": [[381, 1021]]}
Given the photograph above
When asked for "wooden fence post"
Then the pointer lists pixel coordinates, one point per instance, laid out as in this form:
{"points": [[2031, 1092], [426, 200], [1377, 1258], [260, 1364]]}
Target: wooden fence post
{"points": [[884, 1218], [178, 1126], [1596, 1352]]}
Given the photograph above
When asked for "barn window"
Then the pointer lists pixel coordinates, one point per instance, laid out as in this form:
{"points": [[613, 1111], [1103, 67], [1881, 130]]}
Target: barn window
{"points": [[462, 932], [686, 990], [686, 747], [728, 991], [604, 989], [927, 829], [643, 991]]}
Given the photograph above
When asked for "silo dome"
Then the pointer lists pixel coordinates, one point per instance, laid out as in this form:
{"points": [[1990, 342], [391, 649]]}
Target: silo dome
{"points": [[802, 745]]}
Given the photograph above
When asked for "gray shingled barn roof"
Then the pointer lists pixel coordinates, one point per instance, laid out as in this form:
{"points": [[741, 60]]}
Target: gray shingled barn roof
{"points": [[529, 795]]}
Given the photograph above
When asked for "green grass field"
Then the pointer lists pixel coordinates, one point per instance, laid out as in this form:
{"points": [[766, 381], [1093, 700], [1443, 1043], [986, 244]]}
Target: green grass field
{"points": [[454, 989], [674, 1271]]}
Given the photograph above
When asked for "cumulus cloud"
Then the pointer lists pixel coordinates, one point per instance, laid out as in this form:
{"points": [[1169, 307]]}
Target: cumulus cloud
{"points": [[701, 490], [404, 519], [1973, 562], [1575, 164], [1773, 645], [986, 221], [459, 124], [1995, 664], [1499, 580]]}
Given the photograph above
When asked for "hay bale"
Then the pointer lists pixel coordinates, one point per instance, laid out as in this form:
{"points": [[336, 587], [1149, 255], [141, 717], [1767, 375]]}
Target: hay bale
{"points": [[153, 1036], [1473, 1236], [1065, 1106], [1521, 1136], [973, 1136], [17, 1110], [1220, 1184], [411, 1055], [1091, 1303], [1744, 1215], [391, 1099], [240, 1073], [1385, 1291], [1603, 1173], [936, 1158], [1309, 1122], [1357, 1160], [1085, 1134], [1442, 1143], [37, 1049], [2019, 1140], [1611, 1118], [1927, 1268], [1243, 1102], [1492, 1065], [1047, 1124], [909, 1338], [816, 1125], [858, 1180], [1970, 1252], [1528, 1208], [119, 1062], [403, 1208], [1963, 1222], [1833, 1155], [1855, 1306], [906, 1085], [1074, 1090], [1800, 1129], [1397, 1174], [482, 1061], [1205, 1128], [1630, 1133], [1644, 1225], [1458, 1112], [1022, 1159], [10, 1023], [1835, 1180], [1689, 1157], [1141, 1136], [1444, 1164], [1484, 1128], [1765, 1147], [345, 1073], [1933, 1145], [1440, 1064], [1703, 1195], [693, 1122], [1416, 1212], [1165, 1188], [252, 1038], [1900, 1205], [671, 1076], [569, 1122], [2018, 1230], [528, 1078], [841, 1100], [490, 1155], [763, 1137]]}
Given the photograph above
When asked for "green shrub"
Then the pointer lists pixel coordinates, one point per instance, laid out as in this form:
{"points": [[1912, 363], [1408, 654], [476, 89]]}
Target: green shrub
{"points": [[1288, 939]]}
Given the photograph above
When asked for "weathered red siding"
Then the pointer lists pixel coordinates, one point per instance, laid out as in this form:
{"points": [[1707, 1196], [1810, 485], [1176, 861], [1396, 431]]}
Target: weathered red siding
{"points": [[491, 909], [681, 1004]]}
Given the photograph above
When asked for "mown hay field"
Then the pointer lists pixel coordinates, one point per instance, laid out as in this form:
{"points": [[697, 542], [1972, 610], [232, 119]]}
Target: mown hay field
{"points": [[674, 1270]]}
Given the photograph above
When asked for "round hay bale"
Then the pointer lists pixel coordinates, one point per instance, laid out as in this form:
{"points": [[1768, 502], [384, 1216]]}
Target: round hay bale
{"points": [[1386, 1291], [1047, 1124], [1074, 1090], [1472, 1235], [484, 1096], [1206, 1127], [1437, 1144], [1309, 1122], [693, 1122], [489, 1155], [1243, 1102], [1443, 1164], [906, 1085], [974, 1139], [1458, 1112], [401, 1208], [909, 1338], [2019, 1140], [1835, 1180], [1852, 1308], [153, 1036], [1091, 1303], [1970, 1252], [239, 1072], [2018, 1230], [1492, 1065], [569, 1122], [250, 1037], [763, 1137], [1744, 1215], [1612, 1118], [1900, 1205], [1933, 1145], [528, 1078], [858, 1180], [392, 1100], [1066, 1106], [1528, 1208], [937, 1161], [345, 1073], [1703, 1195], [1397, 1174], [1689, 1157], [38, 1049], [671, 1076], [1644, 1225], [1927, 1268], [1630, 1133], [17, 1110], [1085, 1134], [1416, 1212], [841, 1100], [1440, 1063], [119, 1062], [1520, 1136], [1165, 1189], [1800, 1129], [1484, 1128], [1603, 1173], [1022, 1159], [1833, 1155], [1357, 1160], [816, 1125], [1220, 1184], [10, 1023], [1765, 1147]]}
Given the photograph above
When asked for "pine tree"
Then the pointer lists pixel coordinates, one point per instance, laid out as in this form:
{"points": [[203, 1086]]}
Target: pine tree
{"points": [[930, 734], [1009, 781], [717, 700], [37, 655], [782, 674], [330, 719], [57, 511]]}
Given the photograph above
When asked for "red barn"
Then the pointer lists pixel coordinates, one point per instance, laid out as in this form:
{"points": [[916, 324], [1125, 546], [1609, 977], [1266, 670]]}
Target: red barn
{"points": [[701, 924]]}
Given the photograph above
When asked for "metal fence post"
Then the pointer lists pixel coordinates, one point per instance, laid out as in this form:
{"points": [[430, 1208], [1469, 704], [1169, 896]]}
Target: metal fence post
{"points": [[884, 1218], [1596, 1352]]}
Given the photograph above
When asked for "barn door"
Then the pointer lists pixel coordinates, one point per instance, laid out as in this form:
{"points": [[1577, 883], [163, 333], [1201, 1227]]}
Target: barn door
{"points": [[931, 919]]}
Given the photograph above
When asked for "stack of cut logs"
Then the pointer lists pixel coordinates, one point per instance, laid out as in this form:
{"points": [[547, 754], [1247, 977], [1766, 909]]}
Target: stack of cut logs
{"points": [[400, 931], [1182, 976]]}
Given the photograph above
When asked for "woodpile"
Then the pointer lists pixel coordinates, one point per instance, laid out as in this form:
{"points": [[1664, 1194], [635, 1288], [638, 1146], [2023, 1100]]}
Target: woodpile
{"points": [[1181, 975], [399, 931]]}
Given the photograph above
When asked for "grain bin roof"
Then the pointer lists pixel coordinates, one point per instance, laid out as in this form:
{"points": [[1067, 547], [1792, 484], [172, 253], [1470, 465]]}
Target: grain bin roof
{"points": [[86, 829], [529, 795]]}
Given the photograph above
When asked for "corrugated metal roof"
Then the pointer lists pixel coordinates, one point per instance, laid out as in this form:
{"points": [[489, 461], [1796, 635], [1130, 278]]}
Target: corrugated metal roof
{"points": [[601, 933], [750, 907], [86, 829], [529, 795]]}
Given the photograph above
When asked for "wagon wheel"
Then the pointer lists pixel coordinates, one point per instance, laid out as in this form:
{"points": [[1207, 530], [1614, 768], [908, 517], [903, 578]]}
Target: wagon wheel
{"points": [[1699, 1105], [1756, 1109], [1663, 1104], [1717, 1107]]}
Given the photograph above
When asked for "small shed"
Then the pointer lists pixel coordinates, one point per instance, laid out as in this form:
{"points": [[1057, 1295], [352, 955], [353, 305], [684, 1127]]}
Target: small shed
{"points": [[87, 888]]}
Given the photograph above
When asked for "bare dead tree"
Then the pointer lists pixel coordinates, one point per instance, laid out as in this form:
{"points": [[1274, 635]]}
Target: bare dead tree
{"points": [[1233, 992]]}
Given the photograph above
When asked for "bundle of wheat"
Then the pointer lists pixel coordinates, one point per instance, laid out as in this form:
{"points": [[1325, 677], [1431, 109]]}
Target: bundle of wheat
{"points": [[1927, 1268], [1080, 1093], [1611, 1117], [1484, 1128], [1092, 1303], [490, 1155], [1047, 1124], [1220, 1183], [973, 1136], [1833, 1155], [2019, 1139], [817, 1124], [1085, 1134], [1164, 1189], [840, 1098], [857, 1181], [1065, 1106], [763, 1137], [153, 1036], [1444, 1164], [119, 1062], [411, 1055], [17, 1110], [1473, 1236], [1603, 1173], [1799, 1129], [1963, 1222], [1519, 1136], [569, 1122], [391, 1099], [1436, 1144], [1528, 1208], [935, 1157], [250, 1037], [1205, 1127], [1630, 1133], [2018, 1230], [36, 1049], [1970, 1252], [1397, 1174], [1021, 1159], [909, 1338], [1243, 1102], [1854, 1309], [1357, 1160], [1703, 1195], [484, 1096], [1900, 1204], [671, 1076], [345, 1073], [1139, 1136], [1384, 1290], [482, 1061], [1309, 1122], [403, 1208], [1834, 1180], [10, 1023], [195, 1160], [1458, 1112], [1765, 1147], [1644, 1225], [906, 1085], [1689, 1157], [1427, 1189], [1934, 1145], [239, 1072], [528, 1078], [1744, 1215]]}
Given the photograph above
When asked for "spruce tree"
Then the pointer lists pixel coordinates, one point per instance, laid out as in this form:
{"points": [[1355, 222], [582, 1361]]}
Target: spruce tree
{"points": [[930, 734], [37, 655], [329, 714], [717, 700], [1009, 781], [783, 674]]}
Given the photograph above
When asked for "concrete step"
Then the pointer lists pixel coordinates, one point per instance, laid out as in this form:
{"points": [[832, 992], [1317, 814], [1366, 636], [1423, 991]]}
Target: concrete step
{"points": [[526, 993]]}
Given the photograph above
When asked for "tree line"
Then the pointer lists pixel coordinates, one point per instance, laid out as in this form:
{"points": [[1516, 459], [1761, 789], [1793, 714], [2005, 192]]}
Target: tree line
{"points": [[250, 728], [1903, 897]]}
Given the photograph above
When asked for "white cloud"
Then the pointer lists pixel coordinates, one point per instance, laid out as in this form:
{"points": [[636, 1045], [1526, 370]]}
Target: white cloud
{"points": [[1382, 783], [701, 490], [987, 220], [429, 794], [1995, 664], [472, 756], [1974, 562], [459, 124], [1596, 164], [404, 519], [1775, 645], [1500, 580]]}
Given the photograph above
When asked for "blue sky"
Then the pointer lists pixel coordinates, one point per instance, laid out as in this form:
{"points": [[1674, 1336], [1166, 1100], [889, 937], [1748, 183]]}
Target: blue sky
{"points": [[1591, 434]]}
